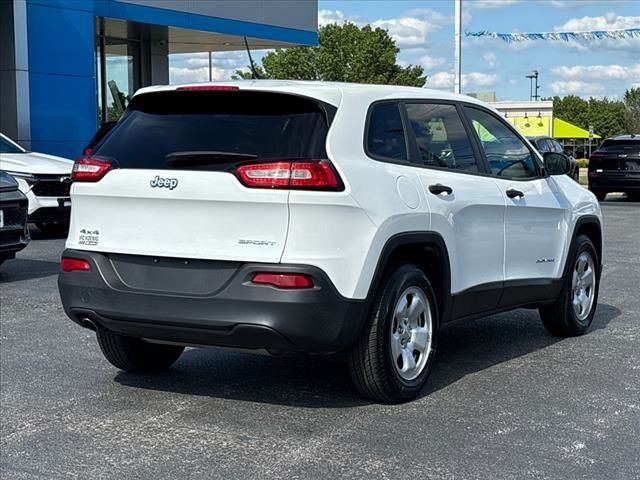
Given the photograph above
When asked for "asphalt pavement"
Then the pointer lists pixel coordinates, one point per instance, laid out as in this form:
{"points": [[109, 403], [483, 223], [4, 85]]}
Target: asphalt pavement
{"points": [[505, 399]]}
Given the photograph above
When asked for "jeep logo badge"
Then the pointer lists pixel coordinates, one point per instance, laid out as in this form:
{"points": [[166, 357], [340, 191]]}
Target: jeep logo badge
{"points": [[159, 182]]}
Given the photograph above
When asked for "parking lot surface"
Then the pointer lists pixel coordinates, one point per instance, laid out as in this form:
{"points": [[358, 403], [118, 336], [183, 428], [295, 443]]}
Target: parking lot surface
{"points": [[505, 399]]}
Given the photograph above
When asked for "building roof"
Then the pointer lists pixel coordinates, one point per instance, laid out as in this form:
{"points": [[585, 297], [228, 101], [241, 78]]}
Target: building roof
{"points": [[564, 129]]}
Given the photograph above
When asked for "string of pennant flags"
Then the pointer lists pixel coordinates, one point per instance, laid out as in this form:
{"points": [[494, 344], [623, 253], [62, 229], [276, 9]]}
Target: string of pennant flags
{"points": [[561, 36]]}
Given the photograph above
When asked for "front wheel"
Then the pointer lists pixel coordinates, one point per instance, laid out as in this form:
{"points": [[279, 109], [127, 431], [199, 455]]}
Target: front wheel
{"points": [[599, 195], [134, 354], [572, 313], [393, 357]]}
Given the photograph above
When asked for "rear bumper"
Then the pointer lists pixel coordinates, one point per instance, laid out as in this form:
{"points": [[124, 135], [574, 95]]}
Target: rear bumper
{"points": [[617, 182], [167, 299]]}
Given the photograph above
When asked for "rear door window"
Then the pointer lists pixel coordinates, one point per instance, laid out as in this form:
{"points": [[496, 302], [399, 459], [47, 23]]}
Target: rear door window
{"points": [[385, 133], [440, 136], [215, 130]]}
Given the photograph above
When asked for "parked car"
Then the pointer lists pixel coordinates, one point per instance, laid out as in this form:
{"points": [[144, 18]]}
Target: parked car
{"points": [[45, 180], [14, 234], [615, 167], [321, 218], [548, 144]]}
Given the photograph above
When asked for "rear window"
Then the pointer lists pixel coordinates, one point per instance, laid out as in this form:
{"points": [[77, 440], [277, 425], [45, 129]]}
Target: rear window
{"points": [[215, 130], [620, 145]]}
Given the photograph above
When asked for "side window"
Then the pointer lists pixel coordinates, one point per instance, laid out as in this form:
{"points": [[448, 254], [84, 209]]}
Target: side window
{"points": [[556, 146], [440, 136], [508, 156], [385, 135], [542, 145]]}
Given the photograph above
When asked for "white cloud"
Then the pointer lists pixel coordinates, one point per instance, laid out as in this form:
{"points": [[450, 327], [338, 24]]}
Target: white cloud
{"points": [[444, 80], [491, 59], [440, 80], [609, 21], [412, 29], [194, 75], [194, 67], [614, 72], [326, 17], [429, 62], [479, 79], [577, 87]]}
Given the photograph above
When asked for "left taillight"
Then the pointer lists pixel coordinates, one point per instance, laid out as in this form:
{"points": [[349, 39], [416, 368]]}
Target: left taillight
{"points": [[87, 169], [68, 264], [300, 175]]}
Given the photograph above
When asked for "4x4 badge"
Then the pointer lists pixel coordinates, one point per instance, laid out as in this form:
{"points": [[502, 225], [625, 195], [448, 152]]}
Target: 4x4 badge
{"points": [[160, 182]]}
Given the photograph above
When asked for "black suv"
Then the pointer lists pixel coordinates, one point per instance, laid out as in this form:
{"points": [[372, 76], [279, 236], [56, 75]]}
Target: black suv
{"points": [[547, 144], [14, 235], [615, 167]]}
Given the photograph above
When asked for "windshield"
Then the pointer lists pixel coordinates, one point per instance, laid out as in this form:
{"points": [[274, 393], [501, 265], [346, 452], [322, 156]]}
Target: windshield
{"points": [[7, 146], [215, 130]]}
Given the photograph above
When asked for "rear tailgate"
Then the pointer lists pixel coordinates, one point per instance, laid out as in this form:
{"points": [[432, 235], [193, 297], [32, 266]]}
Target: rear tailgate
{"points": [[172, 191]]}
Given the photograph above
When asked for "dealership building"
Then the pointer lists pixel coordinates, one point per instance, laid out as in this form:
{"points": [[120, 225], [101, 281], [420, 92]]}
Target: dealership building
{"points": [[66, 66]]}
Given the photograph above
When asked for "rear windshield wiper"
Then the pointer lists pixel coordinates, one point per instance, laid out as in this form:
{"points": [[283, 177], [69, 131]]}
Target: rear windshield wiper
{"points": [[174, 159]]}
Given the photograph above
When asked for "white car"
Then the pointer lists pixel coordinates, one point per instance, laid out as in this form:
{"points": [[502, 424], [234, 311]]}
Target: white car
{"points": [[44, 179], [321, 218]]}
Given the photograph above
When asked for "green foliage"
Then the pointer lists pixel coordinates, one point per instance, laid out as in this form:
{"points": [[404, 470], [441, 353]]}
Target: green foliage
{"points": [[606, 116], [632, 110], [345, 53], [582, 162]]}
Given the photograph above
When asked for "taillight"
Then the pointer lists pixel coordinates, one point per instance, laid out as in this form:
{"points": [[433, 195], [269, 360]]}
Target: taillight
{"points": [[304, 175], [285, 281], [86, 169], [68, 264]]}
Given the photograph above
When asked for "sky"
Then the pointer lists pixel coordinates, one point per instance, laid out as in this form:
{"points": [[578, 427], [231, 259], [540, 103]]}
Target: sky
{"points": [[423, 31]]}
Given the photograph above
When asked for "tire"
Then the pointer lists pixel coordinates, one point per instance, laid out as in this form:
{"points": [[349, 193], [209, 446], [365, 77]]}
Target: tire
{"points": [[599, 195], [376, 361], [53, 228], [561, 318], [633, 196], [135, 355]]}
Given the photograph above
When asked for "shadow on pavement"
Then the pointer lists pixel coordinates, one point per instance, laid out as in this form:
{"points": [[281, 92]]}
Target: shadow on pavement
{"points": [[22, 269], [475, 346], [323, 382]]}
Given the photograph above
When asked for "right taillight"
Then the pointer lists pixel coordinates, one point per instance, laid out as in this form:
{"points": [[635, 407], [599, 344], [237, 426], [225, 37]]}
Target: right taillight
{"points": [[68, 264], [87, 169], [302, 175]]}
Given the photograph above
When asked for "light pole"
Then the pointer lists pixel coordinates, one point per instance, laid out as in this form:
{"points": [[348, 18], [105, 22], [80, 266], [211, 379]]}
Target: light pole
{"points": [[457, 54], [533, 93]]}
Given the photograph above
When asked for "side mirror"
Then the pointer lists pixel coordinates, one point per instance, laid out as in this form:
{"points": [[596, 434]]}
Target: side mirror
{"points": [[556, 163]]}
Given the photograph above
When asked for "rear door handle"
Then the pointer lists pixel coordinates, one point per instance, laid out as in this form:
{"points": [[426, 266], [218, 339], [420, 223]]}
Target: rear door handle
{"points": [[438, 188], [513, 193]]}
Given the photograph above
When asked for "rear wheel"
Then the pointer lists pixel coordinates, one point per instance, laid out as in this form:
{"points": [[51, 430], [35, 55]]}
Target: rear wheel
{"points": [[135, 355], [600, 195], [572, 313], [393, 358]]}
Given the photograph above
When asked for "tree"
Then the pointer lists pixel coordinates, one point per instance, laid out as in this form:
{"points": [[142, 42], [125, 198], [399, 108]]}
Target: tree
{"points": [[345, 53], [606, 116], [632, 110]]}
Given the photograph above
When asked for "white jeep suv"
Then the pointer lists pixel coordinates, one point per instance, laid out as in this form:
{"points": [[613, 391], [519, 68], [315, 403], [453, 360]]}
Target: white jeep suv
{"points": [[320, 218]]}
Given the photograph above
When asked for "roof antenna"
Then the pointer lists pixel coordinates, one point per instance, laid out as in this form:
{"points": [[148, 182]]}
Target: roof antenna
{"points": [[254, 73]]}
